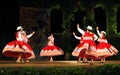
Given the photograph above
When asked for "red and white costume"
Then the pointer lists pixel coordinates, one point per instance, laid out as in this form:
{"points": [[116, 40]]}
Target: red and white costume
{"points": [[51, 49], [104, 48], [88, 44], [18, 46], [79, 48]]}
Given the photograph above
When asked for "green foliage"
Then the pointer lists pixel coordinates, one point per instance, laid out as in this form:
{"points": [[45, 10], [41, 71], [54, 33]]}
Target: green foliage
{"points": [[68, 7], [100, 70], [107, 70]]}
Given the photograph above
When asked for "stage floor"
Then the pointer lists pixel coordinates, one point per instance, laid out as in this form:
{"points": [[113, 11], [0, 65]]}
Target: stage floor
{"points": [[59, 63]]}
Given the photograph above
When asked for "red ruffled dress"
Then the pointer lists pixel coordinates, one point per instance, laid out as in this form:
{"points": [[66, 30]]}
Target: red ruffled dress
{"points": [[89, 44], [79, 49], [51, 49], [104, 48], [87, 47], [18, 46]]}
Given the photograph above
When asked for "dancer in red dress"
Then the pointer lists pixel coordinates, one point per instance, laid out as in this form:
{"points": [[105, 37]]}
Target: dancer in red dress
{"points": [[88, 42], [104, 49], [79, 50], [51, 50], [19, 48]]}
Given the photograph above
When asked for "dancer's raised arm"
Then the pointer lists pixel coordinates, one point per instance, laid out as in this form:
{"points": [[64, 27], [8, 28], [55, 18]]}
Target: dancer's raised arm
{"points": [[79, 29], [79, 38], [98, 32], [30, 35]]}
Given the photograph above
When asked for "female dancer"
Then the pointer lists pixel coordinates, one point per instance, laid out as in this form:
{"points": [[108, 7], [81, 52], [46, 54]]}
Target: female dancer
{"points": [[104, 49], [19, 48], [88, 42], [51, 50], [79, 51]]}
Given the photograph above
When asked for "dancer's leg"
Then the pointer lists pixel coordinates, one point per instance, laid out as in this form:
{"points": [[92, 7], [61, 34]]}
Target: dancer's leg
{"points": [[51, 59], [22, 60], [85, 60], [79, 59], [27, 60], [19, 58], [102, 59], [91, 63]]}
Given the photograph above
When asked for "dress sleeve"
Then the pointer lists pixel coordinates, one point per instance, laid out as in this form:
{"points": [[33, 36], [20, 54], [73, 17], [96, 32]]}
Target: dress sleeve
{"points": [[95, 37], [81, 31], [79, 38], [98, 32], [30, 35]]}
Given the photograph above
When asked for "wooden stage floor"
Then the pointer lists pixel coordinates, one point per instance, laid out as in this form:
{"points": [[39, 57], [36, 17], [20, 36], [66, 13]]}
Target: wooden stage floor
{"points": [[59, 63]]}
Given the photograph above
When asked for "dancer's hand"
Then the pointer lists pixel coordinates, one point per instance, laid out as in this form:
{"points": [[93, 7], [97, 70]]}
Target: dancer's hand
{"points": [[97, 28], [33, 32], [73, 33], [78, 25]]}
